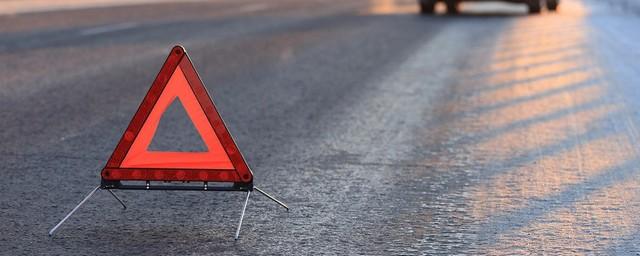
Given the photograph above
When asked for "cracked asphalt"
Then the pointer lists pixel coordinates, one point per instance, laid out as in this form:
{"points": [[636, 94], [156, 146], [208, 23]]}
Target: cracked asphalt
{"points": [[386, 132]]}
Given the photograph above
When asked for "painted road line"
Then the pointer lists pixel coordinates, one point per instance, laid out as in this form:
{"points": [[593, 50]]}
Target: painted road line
{"points": [[108, 28]]}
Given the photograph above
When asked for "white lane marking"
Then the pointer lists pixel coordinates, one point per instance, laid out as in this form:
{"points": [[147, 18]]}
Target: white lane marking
{"points": [[108, 28], [13, 7], [248, 9], [128, 25]]}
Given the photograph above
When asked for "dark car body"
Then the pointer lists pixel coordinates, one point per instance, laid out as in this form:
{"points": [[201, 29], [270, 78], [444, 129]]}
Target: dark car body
{"points": [[535, 6]]}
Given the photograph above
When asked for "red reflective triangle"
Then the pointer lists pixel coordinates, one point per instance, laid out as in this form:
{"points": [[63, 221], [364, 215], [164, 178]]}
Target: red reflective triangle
{"points": [[222, 162]]}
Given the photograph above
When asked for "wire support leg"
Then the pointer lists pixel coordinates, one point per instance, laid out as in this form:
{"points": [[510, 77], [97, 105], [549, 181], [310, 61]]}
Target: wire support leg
{"points": [[272, 198], [53, 230], [117, 198], [244, 208]]}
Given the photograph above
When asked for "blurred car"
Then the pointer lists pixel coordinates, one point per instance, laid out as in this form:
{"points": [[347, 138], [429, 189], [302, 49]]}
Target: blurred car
{"points": [[535, 6]]}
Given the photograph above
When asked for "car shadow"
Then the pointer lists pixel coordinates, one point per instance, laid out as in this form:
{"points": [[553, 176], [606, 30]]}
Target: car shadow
{"points": [[473, 15]]}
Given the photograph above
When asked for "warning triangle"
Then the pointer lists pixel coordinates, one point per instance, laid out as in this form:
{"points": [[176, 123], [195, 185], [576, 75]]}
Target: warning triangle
{"points": [[132, 159]]}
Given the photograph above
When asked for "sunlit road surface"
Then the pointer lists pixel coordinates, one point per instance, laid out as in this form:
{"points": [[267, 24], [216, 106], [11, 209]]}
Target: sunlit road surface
{"points": [[491, 132]]}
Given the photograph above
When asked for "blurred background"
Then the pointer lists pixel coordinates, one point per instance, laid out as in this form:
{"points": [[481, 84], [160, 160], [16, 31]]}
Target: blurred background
{"points": [[390, 127]]}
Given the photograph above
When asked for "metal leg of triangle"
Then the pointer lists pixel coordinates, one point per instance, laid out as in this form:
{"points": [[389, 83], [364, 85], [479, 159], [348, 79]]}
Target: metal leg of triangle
{"points": [[244, 208], [93, 191], [86, 198], [53, 230], [272, 198], [117, 198]]}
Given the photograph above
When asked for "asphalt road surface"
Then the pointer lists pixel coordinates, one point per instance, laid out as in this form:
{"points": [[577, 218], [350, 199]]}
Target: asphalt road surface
{"points": [[387, 133]]}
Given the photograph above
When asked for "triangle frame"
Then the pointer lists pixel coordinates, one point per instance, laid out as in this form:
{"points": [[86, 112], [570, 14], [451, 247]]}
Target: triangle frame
{"points": [[114, 172], [117, 169]]}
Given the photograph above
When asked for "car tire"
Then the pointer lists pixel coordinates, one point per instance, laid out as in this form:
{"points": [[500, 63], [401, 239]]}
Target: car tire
{"points": [[427, 6], [552, 5], [452, 6], [534, 6]]}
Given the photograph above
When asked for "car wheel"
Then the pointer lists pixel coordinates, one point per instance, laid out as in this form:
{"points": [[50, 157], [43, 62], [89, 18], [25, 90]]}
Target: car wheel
{"points": [[552, 5], [452, 6], [534, 6], [427, 6]]}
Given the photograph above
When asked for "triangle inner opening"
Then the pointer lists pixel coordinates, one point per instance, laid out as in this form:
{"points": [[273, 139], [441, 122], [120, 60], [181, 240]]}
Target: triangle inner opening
{"points": [[176, 132]]}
